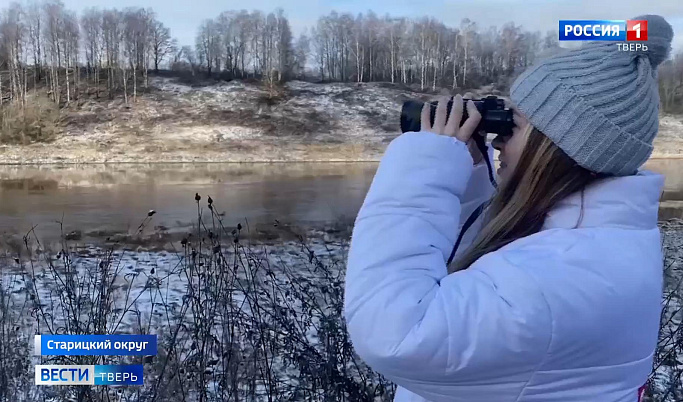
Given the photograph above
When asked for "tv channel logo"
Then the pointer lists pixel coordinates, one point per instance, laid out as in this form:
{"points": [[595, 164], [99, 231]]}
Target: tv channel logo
{"points": [[603, 30], [47, 374], [636, 30]]}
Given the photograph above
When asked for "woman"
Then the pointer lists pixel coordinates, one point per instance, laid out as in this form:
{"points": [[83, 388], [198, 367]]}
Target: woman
{"points": [[556, 296]]}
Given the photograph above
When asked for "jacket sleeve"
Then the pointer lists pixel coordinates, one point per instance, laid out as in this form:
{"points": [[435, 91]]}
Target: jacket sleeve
{"points": [[407, 318]]}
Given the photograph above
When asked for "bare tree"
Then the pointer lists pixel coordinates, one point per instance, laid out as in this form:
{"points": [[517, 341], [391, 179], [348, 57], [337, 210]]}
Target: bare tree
{"points": [[91, 29], [302, 50], [13, 31], [235, 32], [396, 28], [131, 28], [49, 46], [468, 30], [671, 84], [34, 18], [112, 30], [319, 46], [70, 40], [190, 57], [137, 27], [209, 44], [334, 38], [162, 43], [53, 32], [284, 47]]}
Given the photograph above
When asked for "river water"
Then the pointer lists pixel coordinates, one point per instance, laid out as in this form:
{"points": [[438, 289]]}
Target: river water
{"points": [[115, 198]]}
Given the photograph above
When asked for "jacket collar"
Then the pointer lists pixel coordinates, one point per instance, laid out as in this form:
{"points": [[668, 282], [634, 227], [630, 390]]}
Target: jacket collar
{"points": [[629, 202]]}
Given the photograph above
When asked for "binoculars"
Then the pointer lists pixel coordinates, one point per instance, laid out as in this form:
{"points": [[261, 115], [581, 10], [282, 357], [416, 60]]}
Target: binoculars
{"points": [[495, 117]]}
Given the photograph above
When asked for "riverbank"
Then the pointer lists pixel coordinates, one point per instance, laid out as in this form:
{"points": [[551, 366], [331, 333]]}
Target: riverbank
{"points": [[230, 308], [239, 121]]}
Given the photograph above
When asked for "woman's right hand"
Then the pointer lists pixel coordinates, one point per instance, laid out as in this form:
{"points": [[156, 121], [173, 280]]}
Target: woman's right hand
{"points": [[477, 156], [464, 133]]}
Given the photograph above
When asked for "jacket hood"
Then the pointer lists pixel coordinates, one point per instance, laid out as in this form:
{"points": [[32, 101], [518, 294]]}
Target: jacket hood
{"points": [[628, 202]]}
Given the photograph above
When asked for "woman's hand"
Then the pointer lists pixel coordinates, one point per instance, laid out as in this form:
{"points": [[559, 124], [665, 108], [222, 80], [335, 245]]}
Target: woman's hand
{"points": [[452, 127]]}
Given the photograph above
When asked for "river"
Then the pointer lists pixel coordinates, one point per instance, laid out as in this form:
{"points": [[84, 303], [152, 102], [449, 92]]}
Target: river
{"points": [[116, 198]]}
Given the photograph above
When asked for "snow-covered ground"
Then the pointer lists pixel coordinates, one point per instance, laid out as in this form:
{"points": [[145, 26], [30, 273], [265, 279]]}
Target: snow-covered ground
{"points": [[236, 121], [262, 290], [669, 140], [667, 379], [152, 293]]}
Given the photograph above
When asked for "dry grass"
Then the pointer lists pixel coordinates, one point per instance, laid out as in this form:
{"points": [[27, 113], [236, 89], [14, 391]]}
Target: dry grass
{"points": [[235, 319], [37, 121], [234, 322]]}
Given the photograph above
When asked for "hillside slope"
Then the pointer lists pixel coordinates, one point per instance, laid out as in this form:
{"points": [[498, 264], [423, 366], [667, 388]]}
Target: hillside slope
{"points": [[235, 122]]}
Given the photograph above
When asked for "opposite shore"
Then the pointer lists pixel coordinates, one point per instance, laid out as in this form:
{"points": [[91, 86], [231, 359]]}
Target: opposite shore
{"points": [[237, 121], [23, 160]]}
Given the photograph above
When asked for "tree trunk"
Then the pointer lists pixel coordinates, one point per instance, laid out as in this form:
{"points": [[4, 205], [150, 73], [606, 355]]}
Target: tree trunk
{"points": [[125, 86], [87, 78], [455, 64], [359, 74], [403, 69], [51, 78], [110, 82], [464, 69], [25, 83], [422, 63], [434, 80], [372, 75], [362, 65], [48, 82], [243, 66], [12, 85], [135, 84], [77, 91], [57, 88], [455, 78], [66, 76], [393, 55]]}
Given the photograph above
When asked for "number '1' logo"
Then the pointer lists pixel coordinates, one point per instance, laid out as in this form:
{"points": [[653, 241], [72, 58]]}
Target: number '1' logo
{"points": [[636, 30]]}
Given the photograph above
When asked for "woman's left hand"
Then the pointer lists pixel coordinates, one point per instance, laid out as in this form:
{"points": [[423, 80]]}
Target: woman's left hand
{"points": [[451, 127]]}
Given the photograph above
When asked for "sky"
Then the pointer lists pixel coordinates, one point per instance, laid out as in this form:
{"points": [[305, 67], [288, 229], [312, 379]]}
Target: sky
{"points": [[184, 16]]}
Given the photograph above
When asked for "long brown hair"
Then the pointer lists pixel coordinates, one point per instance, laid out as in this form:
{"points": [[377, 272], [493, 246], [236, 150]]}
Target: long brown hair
{"points": [[543, 176]]}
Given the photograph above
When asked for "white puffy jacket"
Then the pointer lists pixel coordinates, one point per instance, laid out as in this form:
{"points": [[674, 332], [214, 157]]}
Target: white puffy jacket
{"points": [[567, 314]]}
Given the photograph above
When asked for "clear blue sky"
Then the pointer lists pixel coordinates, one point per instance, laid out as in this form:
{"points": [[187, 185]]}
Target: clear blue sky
{"points": [[184, 16]]}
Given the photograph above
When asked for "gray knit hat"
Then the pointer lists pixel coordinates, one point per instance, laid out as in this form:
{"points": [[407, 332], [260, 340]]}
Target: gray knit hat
{"points": [[599, 104]]}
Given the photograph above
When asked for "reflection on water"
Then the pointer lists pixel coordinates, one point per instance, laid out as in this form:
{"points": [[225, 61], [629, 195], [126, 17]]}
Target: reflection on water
{"points": [[117, 197]]}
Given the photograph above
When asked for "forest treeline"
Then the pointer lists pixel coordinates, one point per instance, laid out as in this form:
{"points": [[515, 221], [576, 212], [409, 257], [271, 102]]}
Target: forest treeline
{"points": [[62, 54]]}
